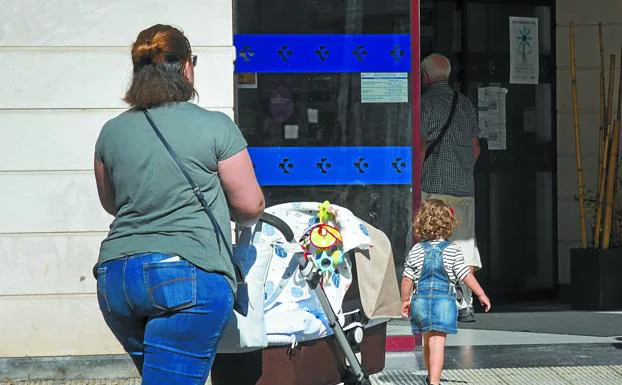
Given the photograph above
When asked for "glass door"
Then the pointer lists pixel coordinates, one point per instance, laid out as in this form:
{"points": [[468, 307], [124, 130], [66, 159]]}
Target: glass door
{"points": [[515, 176]]}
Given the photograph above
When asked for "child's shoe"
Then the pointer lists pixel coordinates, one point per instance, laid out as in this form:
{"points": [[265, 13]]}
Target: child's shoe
{"points": [[466, 315], [427, 381]]}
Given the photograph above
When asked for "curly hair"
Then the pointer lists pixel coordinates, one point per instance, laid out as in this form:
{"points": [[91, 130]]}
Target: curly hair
{"points": [[434, 220]]}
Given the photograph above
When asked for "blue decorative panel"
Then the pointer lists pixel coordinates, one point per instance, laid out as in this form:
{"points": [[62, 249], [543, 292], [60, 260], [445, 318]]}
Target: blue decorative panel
{"points": [[307, 166], [322, 53]]}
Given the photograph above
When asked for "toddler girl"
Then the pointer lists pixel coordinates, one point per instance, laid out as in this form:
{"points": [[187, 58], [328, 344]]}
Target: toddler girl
{"points": [[433, 266]]}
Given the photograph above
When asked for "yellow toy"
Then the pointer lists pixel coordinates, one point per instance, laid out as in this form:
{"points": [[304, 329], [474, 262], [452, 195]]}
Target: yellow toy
{"points": [[323, 241], [324, 236]]}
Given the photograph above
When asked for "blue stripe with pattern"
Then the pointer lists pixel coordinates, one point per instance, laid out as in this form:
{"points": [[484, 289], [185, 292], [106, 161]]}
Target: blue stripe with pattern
{"points": [[315, 166], [324, 53]]}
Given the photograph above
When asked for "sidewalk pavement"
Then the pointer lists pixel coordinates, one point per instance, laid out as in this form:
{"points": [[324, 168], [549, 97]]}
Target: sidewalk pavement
{"points": [[519, 358], [605, 375]]}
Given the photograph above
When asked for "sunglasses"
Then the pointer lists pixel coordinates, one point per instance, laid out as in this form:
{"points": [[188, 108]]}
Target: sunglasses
{"points": [[195, 59]]}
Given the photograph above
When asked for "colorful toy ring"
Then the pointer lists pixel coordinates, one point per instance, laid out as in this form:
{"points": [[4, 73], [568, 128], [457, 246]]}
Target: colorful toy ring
{"points": [[325, 263], [324, 236]]}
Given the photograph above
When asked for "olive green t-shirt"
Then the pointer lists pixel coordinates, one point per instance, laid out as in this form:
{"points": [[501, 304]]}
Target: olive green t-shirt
{"points": [[156, 209]]}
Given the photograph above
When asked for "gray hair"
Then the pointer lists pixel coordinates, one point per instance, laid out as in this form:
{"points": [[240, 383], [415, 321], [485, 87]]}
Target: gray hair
{"points": [[436, 67]]}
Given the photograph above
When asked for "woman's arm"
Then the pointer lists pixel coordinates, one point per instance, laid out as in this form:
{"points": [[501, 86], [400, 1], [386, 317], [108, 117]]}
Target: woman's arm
{"points": [[104, 188], [241, 188]]}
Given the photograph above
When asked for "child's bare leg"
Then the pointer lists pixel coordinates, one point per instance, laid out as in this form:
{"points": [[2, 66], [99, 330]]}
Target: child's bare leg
{"points": [[436, 342], [426, 351]]}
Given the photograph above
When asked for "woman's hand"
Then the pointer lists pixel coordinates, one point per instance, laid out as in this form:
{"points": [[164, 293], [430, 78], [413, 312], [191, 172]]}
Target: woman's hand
{"points": [[406, 309]]}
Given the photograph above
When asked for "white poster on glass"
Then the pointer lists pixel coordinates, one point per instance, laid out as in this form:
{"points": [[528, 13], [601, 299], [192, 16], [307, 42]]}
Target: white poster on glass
{"points": [[491, 116], [524, 50], [384, 87]]}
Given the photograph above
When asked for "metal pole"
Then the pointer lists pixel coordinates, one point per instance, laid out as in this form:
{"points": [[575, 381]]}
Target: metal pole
{"points": [[311, 274]]}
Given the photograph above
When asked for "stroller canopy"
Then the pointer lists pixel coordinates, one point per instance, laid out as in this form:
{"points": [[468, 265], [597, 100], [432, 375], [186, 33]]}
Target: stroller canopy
{"points": [[377, 278]]}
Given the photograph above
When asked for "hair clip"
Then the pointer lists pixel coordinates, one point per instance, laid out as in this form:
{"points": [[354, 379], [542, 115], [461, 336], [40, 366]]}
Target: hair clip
{"points": [[452, 211]]}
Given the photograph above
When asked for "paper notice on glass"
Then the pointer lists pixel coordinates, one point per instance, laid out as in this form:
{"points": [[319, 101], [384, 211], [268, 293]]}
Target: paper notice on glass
{"points": [[388, 87], [290, 131], [524, 50], [313, 115], [491, 116], [247, 80]]}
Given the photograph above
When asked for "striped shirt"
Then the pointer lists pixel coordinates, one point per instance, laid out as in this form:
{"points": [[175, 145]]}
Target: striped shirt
{"points": [[449, 169], [453, 259]]}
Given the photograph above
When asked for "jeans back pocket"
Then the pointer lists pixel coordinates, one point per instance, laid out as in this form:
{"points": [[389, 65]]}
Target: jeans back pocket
{"points": [[171, 286], [102, 296]]}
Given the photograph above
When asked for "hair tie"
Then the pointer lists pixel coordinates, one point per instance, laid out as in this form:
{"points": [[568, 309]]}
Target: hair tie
{"points": [[149, 45]]}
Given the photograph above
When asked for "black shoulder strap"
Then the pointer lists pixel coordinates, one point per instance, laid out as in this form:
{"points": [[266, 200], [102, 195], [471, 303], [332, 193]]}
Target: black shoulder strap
{"points": [[454, 103], [197, 192]]}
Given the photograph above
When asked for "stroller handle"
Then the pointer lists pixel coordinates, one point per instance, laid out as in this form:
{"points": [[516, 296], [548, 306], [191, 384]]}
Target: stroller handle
{"points": [[278, 224]]}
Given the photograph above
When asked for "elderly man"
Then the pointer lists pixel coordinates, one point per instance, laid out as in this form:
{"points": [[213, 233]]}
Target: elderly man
{"points": [[450, 148]]}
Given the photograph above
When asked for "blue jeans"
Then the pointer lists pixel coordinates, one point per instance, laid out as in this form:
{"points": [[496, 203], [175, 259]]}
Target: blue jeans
{"points": [[167, 315]]}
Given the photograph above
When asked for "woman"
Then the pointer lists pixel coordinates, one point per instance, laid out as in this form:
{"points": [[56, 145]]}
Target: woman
{"points": [[165, 285]]}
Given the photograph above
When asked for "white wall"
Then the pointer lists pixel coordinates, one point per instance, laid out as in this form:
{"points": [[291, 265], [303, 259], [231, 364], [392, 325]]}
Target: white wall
{"points": [[585, 16], [64, 66]]}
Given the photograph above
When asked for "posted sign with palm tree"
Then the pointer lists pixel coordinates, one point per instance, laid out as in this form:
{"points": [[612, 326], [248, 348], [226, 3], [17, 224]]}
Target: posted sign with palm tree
{"points": [[524, 50]]}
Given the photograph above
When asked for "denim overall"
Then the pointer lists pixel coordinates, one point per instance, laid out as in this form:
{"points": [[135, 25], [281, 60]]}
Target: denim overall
{"points": [[434, 302]]}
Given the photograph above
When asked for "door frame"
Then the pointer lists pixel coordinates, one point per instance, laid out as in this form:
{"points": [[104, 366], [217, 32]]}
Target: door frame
{"points": [[415, 92]]}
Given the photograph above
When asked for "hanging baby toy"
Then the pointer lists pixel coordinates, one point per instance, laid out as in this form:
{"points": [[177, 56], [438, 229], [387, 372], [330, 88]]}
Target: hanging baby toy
{"points": [[322, 242]]}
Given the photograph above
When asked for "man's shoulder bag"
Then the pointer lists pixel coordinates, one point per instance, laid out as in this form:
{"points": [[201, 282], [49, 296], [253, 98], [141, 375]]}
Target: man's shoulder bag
{"points": [[432, 146]]}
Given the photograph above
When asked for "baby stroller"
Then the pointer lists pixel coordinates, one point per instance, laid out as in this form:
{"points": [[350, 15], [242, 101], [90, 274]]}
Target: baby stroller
{"points": [[311, 331]]}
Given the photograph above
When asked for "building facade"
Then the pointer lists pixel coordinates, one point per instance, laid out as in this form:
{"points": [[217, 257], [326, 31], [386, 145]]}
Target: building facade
{"points": [[65, 67]]}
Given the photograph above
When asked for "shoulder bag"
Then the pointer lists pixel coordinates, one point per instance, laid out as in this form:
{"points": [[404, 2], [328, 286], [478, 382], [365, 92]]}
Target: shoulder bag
{"points": [[430, 149], [241, 299]]}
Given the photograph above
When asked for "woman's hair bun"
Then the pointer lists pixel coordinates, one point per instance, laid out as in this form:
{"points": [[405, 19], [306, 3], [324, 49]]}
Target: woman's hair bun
{"points": [[146, 52], [158, 44]]}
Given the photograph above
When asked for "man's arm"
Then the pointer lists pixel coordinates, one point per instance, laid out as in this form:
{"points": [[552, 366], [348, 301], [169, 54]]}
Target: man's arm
{"points": [[423, 130], [475, 131], [477, 150]]}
